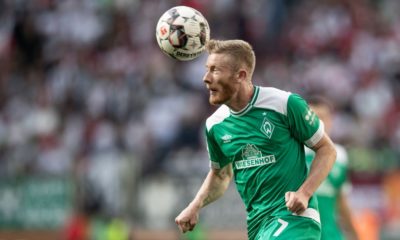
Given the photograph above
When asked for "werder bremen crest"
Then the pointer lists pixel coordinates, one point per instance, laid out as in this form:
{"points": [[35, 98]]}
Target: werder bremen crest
{"points": [[267, 128], [252, 157]]}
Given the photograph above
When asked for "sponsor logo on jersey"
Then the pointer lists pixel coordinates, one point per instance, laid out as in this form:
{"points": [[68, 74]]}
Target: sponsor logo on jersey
{"points": [[252, 157], [267, 128], [310, 117]]}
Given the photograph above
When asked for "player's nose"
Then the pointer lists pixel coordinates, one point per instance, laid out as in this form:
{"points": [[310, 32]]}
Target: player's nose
{"points": [[206, 78]]}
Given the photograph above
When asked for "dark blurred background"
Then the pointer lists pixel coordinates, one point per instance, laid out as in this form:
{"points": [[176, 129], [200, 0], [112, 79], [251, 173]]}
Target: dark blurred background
{"points": [[101, 134]]}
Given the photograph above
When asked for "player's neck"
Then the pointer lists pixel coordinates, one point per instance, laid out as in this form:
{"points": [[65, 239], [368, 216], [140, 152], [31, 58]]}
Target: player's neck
{"points": [[243, 98]]}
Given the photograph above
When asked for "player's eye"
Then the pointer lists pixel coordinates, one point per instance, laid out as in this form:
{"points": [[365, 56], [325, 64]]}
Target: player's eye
{"points": [[213, 69]]}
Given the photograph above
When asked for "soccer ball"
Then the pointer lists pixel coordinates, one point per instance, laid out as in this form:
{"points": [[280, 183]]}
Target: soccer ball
{"points": [[182, 33]]}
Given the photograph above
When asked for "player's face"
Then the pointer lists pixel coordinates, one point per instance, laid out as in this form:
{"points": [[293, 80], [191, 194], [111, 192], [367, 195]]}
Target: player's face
{"points": [[220, 79]]}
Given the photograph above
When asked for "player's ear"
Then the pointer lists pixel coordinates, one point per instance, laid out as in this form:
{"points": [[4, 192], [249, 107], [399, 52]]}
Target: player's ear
{"points": [[241, 75]]}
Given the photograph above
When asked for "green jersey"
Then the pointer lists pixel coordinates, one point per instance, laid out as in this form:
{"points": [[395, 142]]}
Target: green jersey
{"points": [[264, 142], [327, 194]]}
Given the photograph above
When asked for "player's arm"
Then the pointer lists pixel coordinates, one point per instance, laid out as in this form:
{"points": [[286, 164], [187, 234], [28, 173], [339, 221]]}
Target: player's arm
{"points": [[325, 155], [213, 187], [345, 215]]}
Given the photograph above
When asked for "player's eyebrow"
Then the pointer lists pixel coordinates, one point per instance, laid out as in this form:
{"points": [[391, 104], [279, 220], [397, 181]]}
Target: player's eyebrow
{"points": [[211, 68]]}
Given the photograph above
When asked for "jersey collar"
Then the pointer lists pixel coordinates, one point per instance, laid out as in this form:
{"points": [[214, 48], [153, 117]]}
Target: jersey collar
{"points": [[249, 105]]}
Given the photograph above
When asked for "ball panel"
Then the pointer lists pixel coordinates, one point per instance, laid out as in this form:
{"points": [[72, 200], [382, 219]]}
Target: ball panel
{"points": [[183, 55], [163, 30], [193, 44], [185, 12], [172, 15], [204, 33], [192, 27], [177, 37], [166, 46]]}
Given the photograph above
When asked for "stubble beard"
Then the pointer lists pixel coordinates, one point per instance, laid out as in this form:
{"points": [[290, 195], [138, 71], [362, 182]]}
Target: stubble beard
{"points": [[222, 97]]}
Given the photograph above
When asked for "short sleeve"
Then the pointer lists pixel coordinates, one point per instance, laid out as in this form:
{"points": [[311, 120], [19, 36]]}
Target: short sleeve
{"points": [[304, 124], [217, 159]]}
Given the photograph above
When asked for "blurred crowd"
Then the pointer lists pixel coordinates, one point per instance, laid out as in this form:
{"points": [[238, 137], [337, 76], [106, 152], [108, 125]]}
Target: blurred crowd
{"points": [[86, 92]]}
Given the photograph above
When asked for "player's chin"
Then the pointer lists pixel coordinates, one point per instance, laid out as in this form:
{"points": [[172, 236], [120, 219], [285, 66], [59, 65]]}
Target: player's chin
{"points": [[215, 100]]}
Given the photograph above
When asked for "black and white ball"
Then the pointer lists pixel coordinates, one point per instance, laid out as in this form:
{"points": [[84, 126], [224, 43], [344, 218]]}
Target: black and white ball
{"points": [[182, 33]]}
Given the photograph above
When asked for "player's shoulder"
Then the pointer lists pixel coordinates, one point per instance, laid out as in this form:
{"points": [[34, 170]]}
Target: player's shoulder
{"points": [[217, 117], [342, 156], [273, 98]]}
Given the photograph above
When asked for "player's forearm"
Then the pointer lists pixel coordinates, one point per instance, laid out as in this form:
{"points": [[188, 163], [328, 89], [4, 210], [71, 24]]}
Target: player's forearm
{"points": [[213, 187], [346, 217], [325, 155]]}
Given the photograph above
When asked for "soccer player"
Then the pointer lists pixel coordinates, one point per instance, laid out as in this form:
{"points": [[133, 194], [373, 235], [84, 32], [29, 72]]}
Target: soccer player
{"points": [[331, 193], [257, 137]]}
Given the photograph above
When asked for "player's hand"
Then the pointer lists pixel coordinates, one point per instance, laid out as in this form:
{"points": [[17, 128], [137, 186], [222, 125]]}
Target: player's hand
{"points": [[296, 202], [187, 219]]}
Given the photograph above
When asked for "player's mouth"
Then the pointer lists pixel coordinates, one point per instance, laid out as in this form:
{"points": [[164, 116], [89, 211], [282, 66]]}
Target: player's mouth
{"points": [[213, 91]]}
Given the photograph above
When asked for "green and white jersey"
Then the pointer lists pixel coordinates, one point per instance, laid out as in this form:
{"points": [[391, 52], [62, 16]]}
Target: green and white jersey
{"points": [[264, 142], [328, 192]]}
